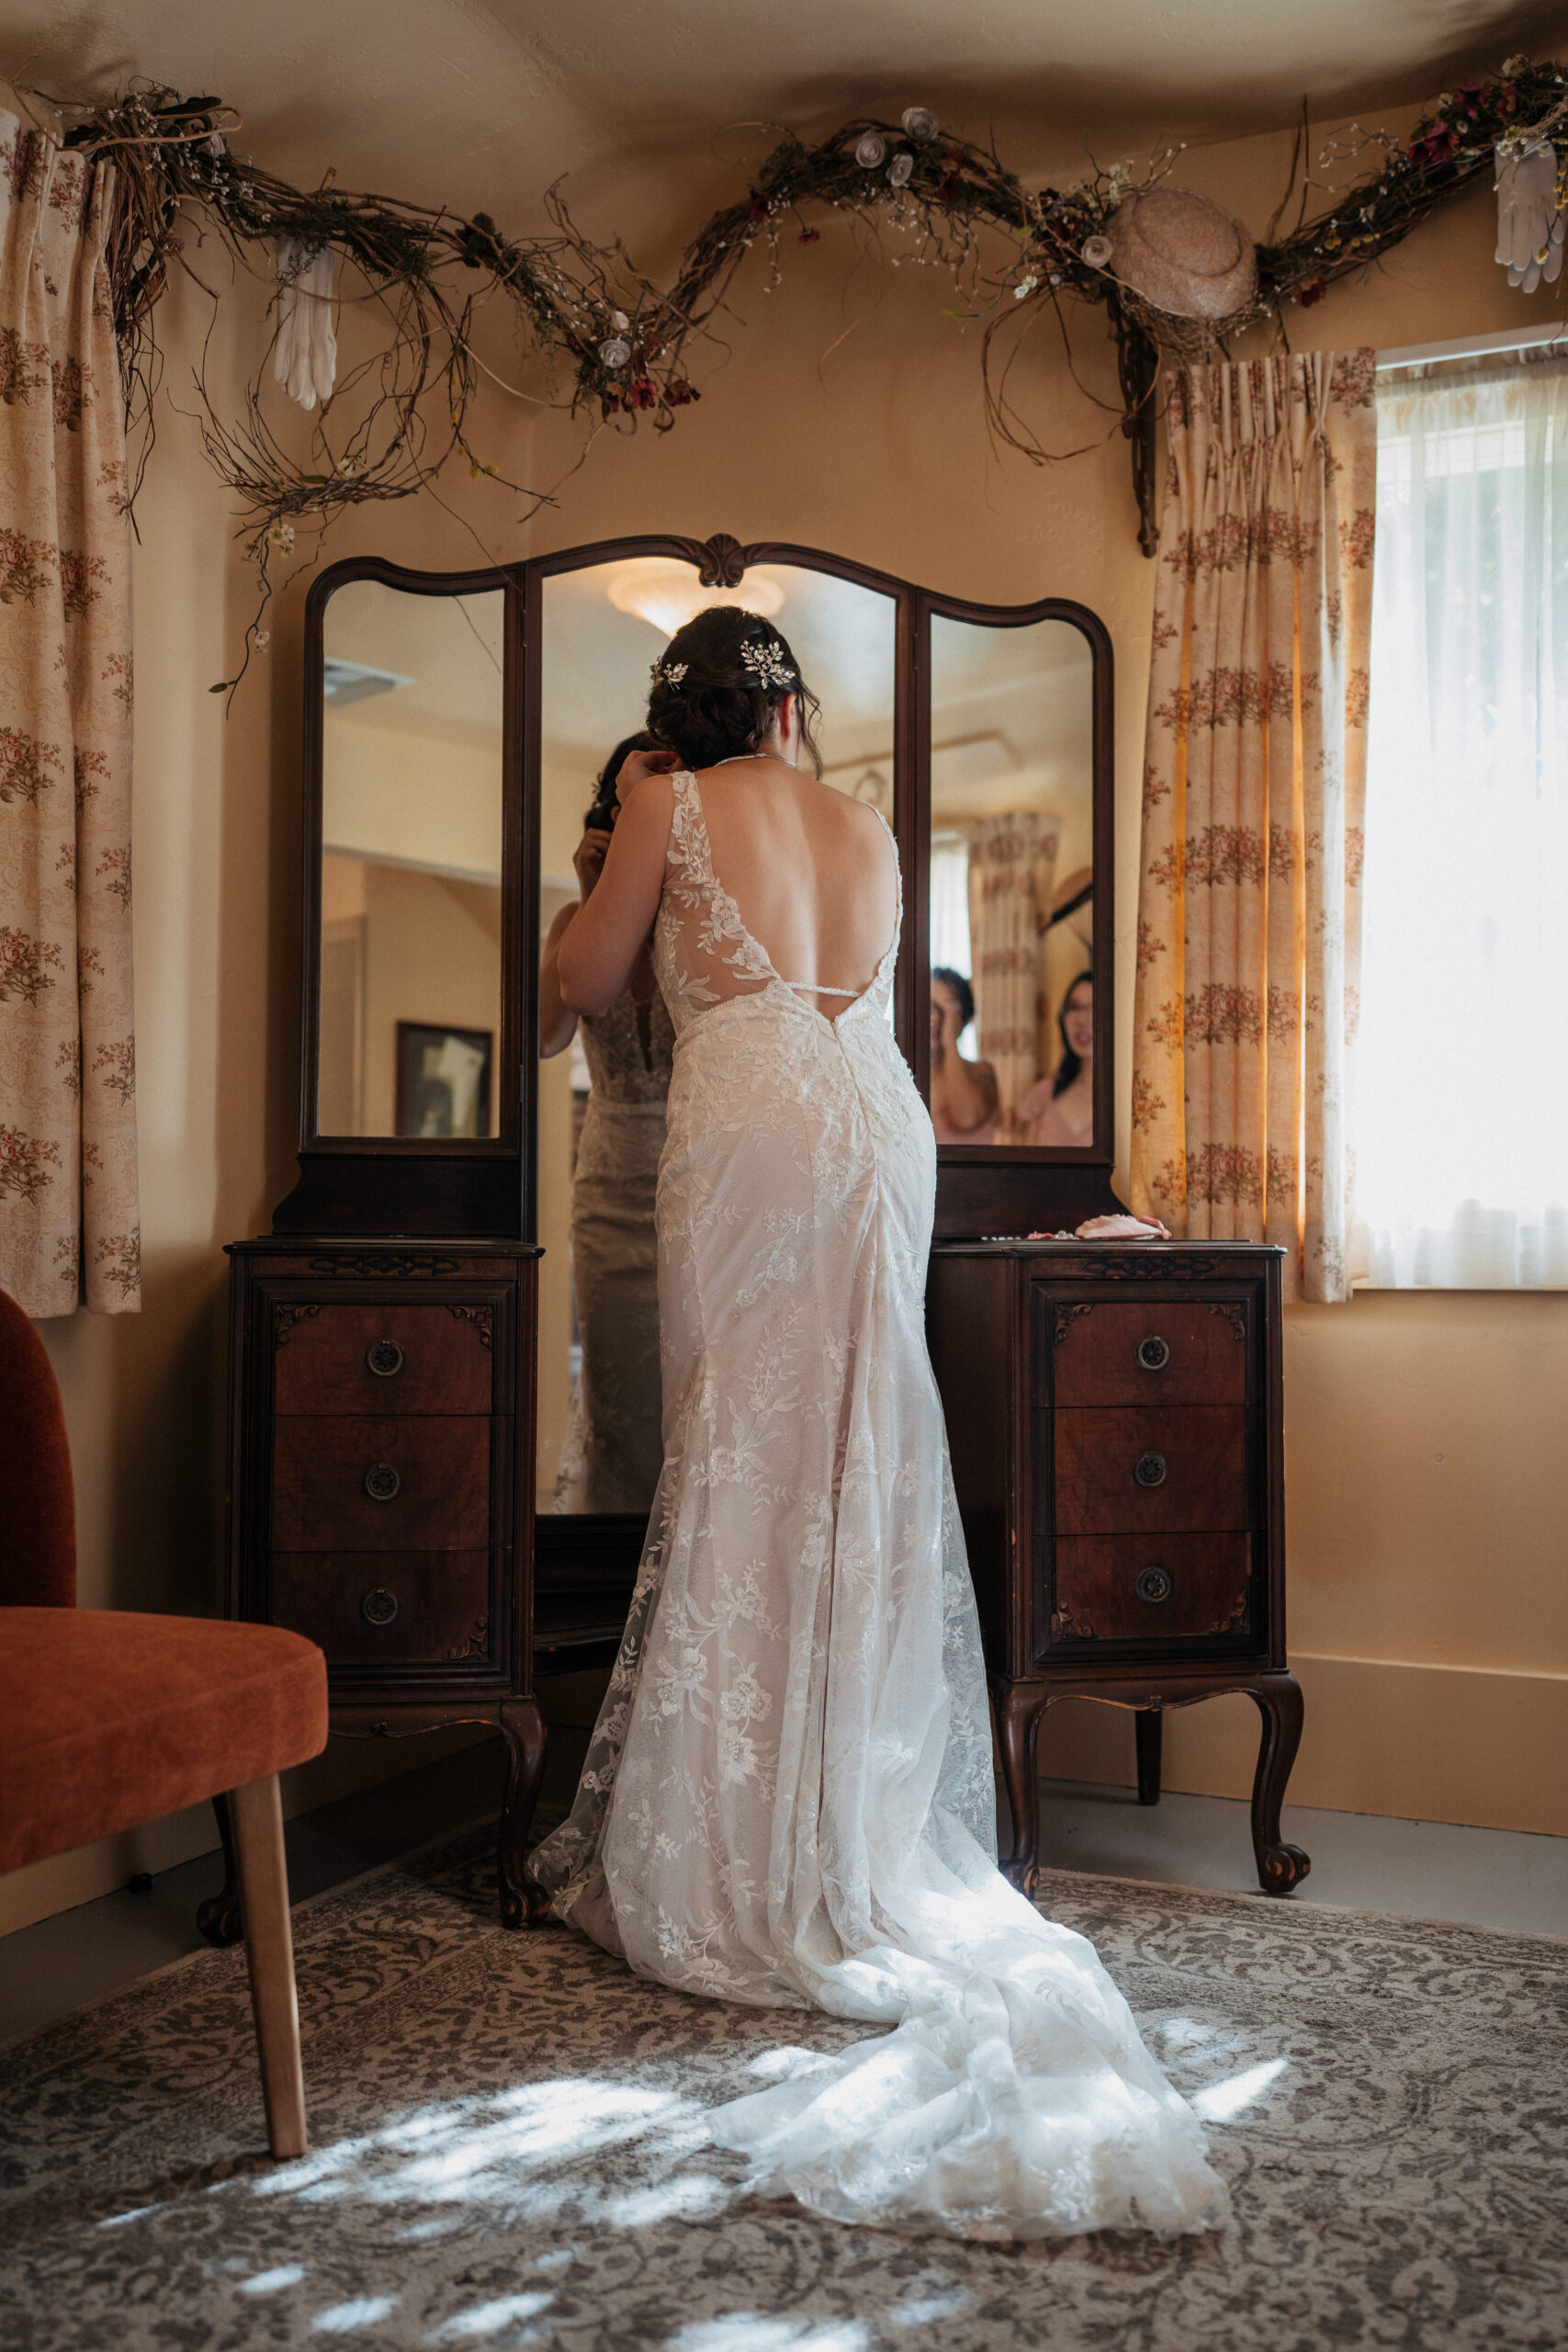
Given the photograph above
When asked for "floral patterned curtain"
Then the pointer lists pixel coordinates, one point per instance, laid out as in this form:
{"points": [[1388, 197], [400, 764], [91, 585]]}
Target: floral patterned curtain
{"points": [[68, 1202], [1250, 911], [1012, 859]]}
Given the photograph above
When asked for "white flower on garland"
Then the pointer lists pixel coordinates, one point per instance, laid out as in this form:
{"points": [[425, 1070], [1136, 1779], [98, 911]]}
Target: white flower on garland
{"points": [[304, 357], [1530, 226]]}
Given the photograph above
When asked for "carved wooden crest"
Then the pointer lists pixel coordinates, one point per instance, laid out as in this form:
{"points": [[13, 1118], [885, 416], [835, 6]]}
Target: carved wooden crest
{"points": [[721, 562]]}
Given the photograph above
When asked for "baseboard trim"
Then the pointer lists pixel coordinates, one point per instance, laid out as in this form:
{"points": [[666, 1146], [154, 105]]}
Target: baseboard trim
{"points": [[62, 1881], [1482, 1746]]}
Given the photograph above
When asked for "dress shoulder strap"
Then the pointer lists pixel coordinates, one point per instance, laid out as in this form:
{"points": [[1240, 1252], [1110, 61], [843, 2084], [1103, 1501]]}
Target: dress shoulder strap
{"points": [[688, 834]]}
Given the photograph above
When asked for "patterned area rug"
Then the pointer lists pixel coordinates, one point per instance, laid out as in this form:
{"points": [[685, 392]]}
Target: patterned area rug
{"points": [[508, 2150]]}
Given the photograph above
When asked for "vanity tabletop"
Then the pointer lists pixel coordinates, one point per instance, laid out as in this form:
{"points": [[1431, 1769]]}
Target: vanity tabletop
{"points": [[1021, 1245]]}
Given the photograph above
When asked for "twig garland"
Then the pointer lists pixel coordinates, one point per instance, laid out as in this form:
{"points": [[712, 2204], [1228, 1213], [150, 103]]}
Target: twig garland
{"points": [[624, 346]]}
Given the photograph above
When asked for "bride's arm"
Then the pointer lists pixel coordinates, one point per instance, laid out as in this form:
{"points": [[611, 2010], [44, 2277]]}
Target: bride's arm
{"points": [[596, 958]]}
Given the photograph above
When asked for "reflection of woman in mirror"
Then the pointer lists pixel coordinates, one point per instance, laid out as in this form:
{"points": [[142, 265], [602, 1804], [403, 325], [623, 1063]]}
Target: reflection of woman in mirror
{"points": [[612, 1451], [787, 1800], [1060, 1109], [963, 1093]]}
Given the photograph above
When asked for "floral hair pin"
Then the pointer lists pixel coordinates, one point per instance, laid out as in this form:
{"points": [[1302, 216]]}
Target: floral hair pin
{"points": [[768, 664], [667, 673]]}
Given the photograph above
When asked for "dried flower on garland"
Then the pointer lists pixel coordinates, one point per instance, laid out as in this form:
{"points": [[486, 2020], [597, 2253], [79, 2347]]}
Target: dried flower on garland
{"points": [[629, 347]]}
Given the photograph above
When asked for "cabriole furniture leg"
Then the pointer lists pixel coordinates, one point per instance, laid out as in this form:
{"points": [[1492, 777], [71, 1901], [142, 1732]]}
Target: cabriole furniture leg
{"points": [[523, 1902], [219, 1918], [1147, 1731], [1278, 1698], [1019, 1707]]}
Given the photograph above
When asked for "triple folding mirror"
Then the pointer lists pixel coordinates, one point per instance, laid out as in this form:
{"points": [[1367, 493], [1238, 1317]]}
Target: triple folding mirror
{"points": [[458, 728], [413, 785]]}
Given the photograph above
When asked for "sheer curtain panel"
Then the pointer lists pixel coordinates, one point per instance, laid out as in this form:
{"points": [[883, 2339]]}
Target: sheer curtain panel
{"points": [[68, 1199], [1462, 1117]]}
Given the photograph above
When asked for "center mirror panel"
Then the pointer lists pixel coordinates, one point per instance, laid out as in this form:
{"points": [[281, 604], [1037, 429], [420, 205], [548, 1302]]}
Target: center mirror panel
{"points": [[411, 878], [603, 1079], [1013, 884]]}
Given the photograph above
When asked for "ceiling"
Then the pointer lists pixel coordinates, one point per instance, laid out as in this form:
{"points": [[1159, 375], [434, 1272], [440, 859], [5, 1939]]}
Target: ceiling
{"points": [[484, 103]]}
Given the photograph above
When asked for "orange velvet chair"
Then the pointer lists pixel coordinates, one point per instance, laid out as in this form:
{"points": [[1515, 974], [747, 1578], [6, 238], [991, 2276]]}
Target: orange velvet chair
{"points": [[110, 1718]]}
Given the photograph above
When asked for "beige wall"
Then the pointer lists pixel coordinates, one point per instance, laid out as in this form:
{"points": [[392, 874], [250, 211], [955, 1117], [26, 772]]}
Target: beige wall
{"points": [[431, 953], [1426, 1478], [428, 801]]}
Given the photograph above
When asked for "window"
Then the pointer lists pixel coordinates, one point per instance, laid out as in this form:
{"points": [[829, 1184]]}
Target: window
{"points": [[1461, 1081]]}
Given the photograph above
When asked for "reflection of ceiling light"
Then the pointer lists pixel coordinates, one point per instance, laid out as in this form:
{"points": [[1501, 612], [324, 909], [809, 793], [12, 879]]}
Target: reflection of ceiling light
{"points": [[665, 591], [346, 682]]}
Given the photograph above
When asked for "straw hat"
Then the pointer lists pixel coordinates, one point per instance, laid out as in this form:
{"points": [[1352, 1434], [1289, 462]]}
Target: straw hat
{"points": [[1183, 255]]}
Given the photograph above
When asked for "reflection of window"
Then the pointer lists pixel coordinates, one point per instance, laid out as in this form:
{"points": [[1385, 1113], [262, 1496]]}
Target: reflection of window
{"points": [[1462, 1121], [950, 915]]}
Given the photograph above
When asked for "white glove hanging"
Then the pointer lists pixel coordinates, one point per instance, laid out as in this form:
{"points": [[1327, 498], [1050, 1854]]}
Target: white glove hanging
{"points": [[305, 356], [1530, 226]]}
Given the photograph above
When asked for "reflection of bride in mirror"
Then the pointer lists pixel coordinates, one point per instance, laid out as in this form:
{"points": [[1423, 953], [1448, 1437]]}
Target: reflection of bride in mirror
{"points": [[613, 1449], [1060, 1109]]}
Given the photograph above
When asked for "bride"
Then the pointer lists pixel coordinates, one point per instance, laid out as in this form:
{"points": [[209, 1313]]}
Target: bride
{"points": [[788, 1798]]}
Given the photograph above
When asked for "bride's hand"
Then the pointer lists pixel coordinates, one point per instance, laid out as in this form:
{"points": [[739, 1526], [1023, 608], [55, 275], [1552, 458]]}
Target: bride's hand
{"points": [[1123, 1229], [638, 765]]}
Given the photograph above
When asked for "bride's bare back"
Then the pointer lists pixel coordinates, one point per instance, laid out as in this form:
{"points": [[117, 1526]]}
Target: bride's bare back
{"points": [[812, 874]]}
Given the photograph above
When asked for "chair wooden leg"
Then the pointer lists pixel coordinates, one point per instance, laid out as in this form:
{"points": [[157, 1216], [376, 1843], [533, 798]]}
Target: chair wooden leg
{"points": [[256, 1815]]}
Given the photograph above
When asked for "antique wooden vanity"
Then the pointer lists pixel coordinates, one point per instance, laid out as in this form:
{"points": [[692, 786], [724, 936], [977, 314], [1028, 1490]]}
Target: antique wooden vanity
{"points": [[1113, 1416], [407, 1364]]}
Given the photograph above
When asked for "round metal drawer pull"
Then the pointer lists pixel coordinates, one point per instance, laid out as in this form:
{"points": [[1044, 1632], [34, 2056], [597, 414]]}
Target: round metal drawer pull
{"points": [[384, 1358], [1153, 1585], [1148, 1470], [380, 1608], [1154, 1353], [382, 1482]]}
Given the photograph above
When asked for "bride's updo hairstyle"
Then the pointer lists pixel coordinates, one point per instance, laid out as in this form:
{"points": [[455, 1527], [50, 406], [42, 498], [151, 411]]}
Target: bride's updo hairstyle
{"points": [[720, 686]]}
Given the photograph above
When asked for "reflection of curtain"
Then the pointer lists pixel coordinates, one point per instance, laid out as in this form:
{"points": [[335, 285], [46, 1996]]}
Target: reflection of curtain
{"points": [[950, 943], [1249, 909], [1462, 1126], [1012, 860], [67, 1053]]}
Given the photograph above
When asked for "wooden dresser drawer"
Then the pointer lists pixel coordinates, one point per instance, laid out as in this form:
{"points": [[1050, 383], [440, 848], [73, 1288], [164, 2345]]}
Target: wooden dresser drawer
{"points": [[1135, 1472], [1128, 1352], [387, 1608], [1143, 1589], [349, 1484], [343, 1358]]}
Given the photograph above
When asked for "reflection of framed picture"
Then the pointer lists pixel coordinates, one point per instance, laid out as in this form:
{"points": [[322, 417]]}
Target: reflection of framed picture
{"points": [[443, 1080]]}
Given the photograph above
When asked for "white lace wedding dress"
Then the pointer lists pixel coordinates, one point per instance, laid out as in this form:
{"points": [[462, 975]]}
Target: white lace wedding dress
{"points": [[788, 1799]]}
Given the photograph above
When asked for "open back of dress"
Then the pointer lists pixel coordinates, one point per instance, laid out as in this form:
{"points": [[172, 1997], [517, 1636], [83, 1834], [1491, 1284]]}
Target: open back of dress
{"points": [[788, 1799]]}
